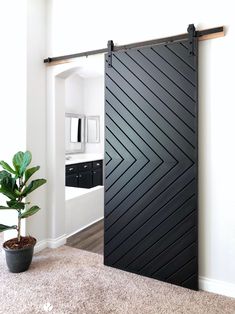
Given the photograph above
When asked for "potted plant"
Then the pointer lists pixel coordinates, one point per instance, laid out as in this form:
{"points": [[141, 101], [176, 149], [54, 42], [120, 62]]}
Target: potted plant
{"points": [[15, 185]]}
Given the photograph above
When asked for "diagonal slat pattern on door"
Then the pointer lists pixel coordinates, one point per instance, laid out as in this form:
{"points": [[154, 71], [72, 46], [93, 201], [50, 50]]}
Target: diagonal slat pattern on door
{"points": [[151, 163]]}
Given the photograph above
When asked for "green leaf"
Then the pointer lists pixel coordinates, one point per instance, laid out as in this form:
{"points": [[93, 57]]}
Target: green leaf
{"points": [[4, 227], [29, 212], [10, 194], [15, 204], [33, 186], [4, 174], [29, 172], [11, 183], [7, 167], [4, 207], [17, 161], [8, 184], [25, 162]]}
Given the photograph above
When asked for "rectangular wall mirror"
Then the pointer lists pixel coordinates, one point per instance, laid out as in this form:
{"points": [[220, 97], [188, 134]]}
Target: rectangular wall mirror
{"points": [[92, 129], [74, 133]]}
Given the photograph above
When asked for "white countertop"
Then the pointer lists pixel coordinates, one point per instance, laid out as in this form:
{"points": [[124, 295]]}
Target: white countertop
{"points": [[78, 158]]}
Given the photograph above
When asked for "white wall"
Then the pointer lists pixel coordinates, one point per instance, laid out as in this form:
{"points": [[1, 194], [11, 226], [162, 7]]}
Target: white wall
{"points": [[22, 97], [73, 104], [94, 106], [13, 88], [75, 27], [74, 94], [216, 158], [36, 111], [55, 156]]}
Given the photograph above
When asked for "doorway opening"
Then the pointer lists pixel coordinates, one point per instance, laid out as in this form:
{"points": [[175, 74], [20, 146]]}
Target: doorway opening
{"points": [[76, 142]]}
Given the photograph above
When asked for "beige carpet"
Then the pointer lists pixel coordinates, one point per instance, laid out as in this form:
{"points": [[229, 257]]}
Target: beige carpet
{"points": [[75, 281]]}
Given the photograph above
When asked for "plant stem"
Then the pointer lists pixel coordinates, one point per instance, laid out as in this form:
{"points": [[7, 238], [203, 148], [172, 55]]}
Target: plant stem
{"points": [[18, 228], [20, 183], [19, 212]]}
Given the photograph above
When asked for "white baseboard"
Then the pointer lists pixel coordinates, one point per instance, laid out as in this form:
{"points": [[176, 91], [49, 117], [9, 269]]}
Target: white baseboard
{"points": [[217, 286], [41, 245], [84, 227], [54, 243], [50, 243]]}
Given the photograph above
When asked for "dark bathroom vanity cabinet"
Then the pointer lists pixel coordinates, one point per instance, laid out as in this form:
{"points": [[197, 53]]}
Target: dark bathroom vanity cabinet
{"points": [[84, 175]]}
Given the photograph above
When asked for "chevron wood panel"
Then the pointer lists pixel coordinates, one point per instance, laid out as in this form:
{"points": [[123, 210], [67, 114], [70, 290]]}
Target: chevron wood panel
{"points": [[151, 163]]}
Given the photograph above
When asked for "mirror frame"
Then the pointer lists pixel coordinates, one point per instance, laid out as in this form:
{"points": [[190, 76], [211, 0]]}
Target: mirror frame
{"points": [[97, 119], [77, 150]]}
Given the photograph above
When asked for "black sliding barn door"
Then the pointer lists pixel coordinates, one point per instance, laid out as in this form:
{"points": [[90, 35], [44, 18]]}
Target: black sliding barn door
{"points": [[151, 163]]}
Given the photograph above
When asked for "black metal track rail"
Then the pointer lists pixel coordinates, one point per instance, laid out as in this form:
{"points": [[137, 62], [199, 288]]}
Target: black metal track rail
{"points": [[152, 42]]}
